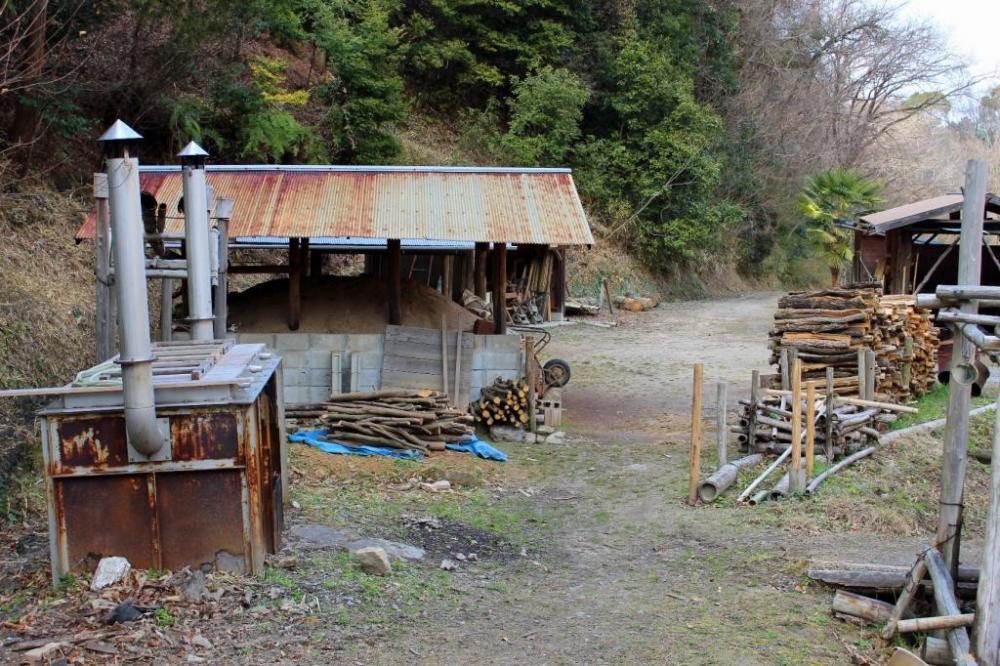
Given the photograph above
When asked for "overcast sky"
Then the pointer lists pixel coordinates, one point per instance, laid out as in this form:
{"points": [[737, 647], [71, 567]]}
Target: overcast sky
{"points": [[971, 27]]}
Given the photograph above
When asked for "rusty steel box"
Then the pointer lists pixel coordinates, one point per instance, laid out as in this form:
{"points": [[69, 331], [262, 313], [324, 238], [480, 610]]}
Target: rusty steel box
{"points": [[213, 498]]}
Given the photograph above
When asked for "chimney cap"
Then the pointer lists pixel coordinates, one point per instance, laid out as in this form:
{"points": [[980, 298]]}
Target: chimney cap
{"points": [[119, 131], [192, 150]]}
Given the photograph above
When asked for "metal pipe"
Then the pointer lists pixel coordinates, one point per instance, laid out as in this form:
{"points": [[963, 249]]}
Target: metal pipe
{"points": [[196, 236], [136, 354]]}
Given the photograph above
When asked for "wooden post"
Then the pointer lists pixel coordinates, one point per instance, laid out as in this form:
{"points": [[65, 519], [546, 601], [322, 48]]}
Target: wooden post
{"points": [[870, 368], [694, 475], [862, 375], [786, 384], [294, 283], [829, 415], [956, 430], [944, 599], [720, 422], [811, 430], [987, 631], [458, 368], [166, 309], [500, 288], [557, 287], [444, 356], [479, 269], [907, 363], [221, 300], [795, 484], [607, 294], [105, 323], [529, 356], [752, 420], [447, 275], [394, 275], [304, 256]]}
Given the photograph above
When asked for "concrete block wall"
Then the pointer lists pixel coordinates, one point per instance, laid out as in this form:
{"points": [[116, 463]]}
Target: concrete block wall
{"points": [[309, 361]]}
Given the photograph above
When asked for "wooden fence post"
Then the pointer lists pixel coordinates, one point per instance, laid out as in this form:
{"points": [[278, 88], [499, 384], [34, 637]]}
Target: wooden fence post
{"points": [[795, 484], [720, 423], [694, 476], [810, 429]]}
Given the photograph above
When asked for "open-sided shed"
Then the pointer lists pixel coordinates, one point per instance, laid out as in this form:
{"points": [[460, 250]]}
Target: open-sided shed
{"points": [[911, 248]]}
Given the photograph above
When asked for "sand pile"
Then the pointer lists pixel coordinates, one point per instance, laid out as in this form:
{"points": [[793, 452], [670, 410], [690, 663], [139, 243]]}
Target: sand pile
{"points": [[332, 304]]}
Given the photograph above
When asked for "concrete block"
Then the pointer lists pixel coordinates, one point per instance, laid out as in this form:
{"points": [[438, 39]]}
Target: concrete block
{"points": [[291, 341], [259, 338], [317, 394], [365, 342], [319, 377], [297, 395], [327, 341], [307, 359]]}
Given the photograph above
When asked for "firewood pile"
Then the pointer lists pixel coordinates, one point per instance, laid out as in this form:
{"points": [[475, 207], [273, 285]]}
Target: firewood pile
{"points": [[504, 402], [826, 329], [767, 427], [400, 419]]}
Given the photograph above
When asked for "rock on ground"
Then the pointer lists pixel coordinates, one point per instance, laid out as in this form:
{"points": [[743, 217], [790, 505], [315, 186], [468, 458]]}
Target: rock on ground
{"points": [[373, 561]]}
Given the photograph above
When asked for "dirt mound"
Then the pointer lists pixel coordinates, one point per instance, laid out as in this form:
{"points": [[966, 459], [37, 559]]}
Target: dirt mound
{"points": [[332, 304]]}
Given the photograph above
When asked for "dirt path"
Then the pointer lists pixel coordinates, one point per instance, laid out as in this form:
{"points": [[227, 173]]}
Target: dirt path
{"points": [[630, 574]]}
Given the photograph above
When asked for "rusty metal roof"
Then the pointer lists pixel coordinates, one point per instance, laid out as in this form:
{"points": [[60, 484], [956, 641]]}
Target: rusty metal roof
{"points": [[482, 204]]}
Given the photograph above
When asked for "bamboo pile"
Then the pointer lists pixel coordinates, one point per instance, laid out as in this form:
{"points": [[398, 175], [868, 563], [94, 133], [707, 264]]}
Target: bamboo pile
{"points": [[505, 402], [827, 328], [400, 419], [767, 426]]}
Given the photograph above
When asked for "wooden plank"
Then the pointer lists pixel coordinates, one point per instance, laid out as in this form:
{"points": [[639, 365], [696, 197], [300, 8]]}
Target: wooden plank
{"points": [[395, 280], [694, 468]]}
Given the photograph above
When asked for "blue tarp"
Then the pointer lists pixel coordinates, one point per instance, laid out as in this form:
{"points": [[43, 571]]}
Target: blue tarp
{"points": [[313, 438]]}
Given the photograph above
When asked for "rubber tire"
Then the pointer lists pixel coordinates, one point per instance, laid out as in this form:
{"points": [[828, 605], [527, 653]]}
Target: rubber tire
{"points": [[561, 367]]}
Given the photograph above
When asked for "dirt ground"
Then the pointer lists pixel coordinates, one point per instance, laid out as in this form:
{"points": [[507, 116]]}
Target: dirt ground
{"points": [[582, 552]]}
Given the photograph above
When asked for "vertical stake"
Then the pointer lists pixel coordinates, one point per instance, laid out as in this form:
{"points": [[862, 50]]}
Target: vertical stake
{"points": [[810, 428], [694, 476], [795, 462], [752, 421], [720, 422], [829, 415]]}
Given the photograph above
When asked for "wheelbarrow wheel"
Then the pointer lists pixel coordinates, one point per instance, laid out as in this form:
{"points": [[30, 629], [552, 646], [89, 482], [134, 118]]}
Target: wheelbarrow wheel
{"points": [[556, 372]]}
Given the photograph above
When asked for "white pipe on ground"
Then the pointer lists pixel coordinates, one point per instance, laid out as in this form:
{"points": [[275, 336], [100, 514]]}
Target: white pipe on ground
{"points": [[128, 248], [196, 236]]}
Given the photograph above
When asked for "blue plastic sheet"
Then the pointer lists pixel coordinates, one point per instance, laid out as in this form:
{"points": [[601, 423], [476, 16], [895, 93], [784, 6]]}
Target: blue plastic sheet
{"points": [[476, 447], [480, 448], [312, 438]]}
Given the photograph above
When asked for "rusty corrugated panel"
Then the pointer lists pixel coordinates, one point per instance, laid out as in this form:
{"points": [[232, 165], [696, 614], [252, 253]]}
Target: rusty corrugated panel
{"points": [[516, 206]]}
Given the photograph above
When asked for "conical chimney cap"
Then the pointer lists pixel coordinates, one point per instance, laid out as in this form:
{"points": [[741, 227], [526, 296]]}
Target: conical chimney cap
{"points": [[192, 150], [119, 131]]}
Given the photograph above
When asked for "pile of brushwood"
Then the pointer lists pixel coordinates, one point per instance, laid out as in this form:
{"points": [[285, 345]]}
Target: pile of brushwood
{"points": [[402, 419]]}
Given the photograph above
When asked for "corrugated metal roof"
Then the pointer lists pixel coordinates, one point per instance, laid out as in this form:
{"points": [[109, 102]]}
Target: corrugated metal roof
{"points": [[918, 211], [472, 204]]}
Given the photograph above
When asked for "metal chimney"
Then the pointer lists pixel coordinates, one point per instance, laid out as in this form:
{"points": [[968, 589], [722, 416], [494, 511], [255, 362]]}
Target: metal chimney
{"points": [[144, 431], [196, 235]]}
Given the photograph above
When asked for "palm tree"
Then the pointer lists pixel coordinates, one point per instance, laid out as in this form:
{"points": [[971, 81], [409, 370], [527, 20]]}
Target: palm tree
{"points": [[832, 197]]}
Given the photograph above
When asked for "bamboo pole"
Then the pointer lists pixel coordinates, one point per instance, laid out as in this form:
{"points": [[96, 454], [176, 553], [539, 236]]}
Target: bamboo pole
{"points": [[810, 430], [929, 624], [988, 598], [720, 423], [956, 432], [795, 461], [694, 473], [763, 475], [814, 484], [944, 599]]}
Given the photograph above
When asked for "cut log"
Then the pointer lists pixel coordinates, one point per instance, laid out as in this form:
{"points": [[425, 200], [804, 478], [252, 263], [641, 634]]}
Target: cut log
{"points": [[856, 605]]}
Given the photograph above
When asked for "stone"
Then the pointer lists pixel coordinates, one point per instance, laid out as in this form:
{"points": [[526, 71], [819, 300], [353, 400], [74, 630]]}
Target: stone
{"points": [[556, 438], [312, 537], [448, 564], [396, 551], [110, 570], [506, 434], [200, 641], [437, 486], [43, 654], [373, 561], [460, 557], [545, 430]]}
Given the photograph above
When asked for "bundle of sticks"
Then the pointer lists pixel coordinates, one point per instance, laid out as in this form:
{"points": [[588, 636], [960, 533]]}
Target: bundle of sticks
{"points": [[827, 328], [504, 402], [850, 424], [401, 419]]}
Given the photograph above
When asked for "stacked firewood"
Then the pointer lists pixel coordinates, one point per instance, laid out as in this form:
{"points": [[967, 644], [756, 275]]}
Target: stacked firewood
{"points": [[767, 426], [826, 329], [505, 402], [401, 419]]}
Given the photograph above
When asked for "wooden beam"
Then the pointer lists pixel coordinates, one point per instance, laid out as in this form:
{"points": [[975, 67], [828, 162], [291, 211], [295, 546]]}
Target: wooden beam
{"points": [[316, 263], [394, 279], [479, 269], [294, 283], [694, 466], [500, 288], [987, 631], [557, 286], [447, 275]]}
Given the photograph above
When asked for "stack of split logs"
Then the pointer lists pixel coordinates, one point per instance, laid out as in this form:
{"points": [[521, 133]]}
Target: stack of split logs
{"points": [[401, 419], [833, 328], [506, 401], [528, 296]]}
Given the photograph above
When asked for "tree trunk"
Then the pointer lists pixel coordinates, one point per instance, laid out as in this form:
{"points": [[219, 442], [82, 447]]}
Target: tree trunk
{"points": [[26, 116], [834, 275]]}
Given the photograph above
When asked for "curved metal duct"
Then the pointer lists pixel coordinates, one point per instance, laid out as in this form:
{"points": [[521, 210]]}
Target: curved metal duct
{"points": [[128, 247]]}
